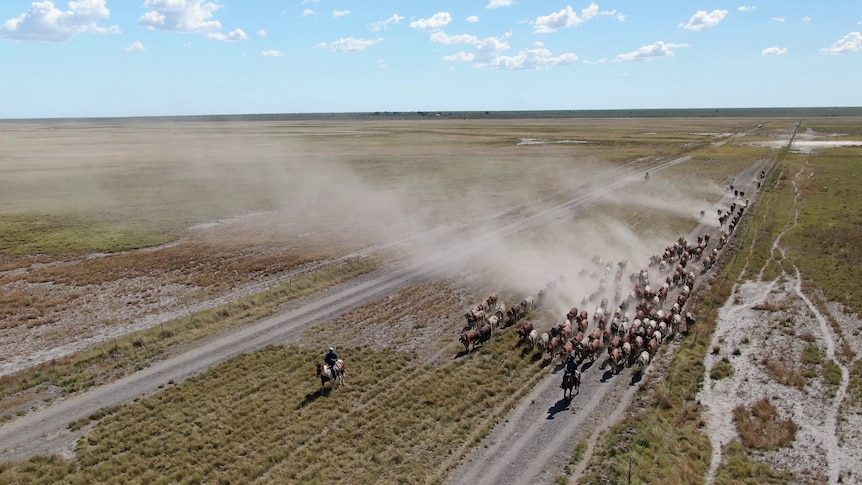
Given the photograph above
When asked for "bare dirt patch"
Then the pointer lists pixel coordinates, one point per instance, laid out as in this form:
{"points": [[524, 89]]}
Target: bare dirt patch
{"points": [[784, 350]]}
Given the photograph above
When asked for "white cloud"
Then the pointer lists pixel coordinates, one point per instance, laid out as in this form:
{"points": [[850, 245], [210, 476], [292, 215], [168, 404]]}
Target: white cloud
{"points": [[340, 13], [444, 38], [774, 51], [650, 52], [384, 24], [180, 16], [565, 18], [473, 19], [436, 22], [489, 54], [307, 12], [460, 57], [45, 22], [747, 8], [806, 19], [350, 44], [187, 44], [136, 47], [232, 36], [262, 33], [620, 16], [777, 19], [704, 20], [271, 53], [500, 3], [851, 42]]}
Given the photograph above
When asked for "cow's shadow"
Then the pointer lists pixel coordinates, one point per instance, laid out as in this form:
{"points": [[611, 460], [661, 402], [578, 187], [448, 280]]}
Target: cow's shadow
{"points": [[587, 365], [637, 376], [462, 353]]}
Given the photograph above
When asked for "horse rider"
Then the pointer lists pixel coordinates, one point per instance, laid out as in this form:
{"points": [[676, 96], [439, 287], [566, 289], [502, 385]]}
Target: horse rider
{"points": [[571, 367], [331, 359]]}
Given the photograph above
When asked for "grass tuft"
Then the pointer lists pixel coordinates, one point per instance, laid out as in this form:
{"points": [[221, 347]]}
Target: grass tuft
{"points": [[760, 427]]}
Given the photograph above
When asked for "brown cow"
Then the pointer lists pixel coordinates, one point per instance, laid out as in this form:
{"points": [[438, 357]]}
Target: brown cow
{"points": [[515, 313], [553, 346], [469, 338], [566, 350], [652, 346], [525, 330], [616, 359], [595, 348], [485, 333]]}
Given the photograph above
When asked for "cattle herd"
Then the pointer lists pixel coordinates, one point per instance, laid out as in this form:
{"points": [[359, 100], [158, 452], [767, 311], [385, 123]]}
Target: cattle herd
{"points": [[627, 329]]}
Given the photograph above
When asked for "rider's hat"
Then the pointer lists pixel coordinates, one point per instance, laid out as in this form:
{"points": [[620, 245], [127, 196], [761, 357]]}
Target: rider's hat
{"points": [[332, 349]]}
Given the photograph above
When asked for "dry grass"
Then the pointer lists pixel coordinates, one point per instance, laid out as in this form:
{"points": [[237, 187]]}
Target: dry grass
{"points": [[261, 417], [760, 427], [785, 373]]}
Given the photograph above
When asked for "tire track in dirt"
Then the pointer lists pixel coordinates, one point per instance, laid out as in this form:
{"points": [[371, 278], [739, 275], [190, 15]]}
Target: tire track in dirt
{"points": [[720, 417], [829, 434]]}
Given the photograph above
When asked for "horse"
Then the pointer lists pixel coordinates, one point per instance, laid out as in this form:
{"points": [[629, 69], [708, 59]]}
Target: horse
{"points": [[335, 375], [571, 381]]}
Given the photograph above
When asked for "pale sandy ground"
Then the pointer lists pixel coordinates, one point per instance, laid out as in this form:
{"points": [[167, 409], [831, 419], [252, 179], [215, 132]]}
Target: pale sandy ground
{"points": [[828, 444]]}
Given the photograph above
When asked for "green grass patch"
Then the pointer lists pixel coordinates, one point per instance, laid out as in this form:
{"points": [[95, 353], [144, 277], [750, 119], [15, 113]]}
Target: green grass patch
{"points": [[59, 235], [854, 387], [721, 370], [739, 468]]}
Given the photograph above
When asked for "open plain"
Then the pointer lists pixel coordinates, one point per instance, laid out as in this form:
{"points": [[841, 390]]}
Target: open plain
{"points": [[167, 286]]}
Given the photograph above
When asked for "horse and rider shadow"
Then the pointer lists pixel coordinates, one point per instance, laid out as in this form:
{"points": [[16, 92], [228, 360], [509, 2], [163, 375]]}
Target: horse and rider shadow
{"points": [[559, 406]]}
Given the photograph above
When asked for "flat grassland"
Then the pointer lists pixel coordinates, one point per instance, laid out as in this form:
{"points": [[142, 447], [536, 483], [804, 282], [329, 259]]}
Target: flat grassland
{"points": [[123, 242]]}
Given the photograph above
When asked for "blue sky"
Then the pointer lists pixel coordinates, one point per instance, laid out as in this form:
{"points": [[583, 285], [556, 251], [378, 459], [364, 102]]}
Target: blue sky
{"points": [[107, 58]]}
